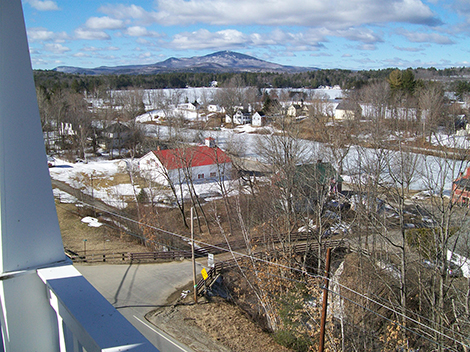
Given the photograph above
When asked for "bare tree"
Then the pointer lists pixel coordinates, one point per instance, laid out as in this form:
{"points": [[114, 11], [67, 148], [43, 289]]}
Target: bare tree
{"points": [[402, 169], [446, 217], [432, 107], [283, 152], [231, 97], [80, 117]]}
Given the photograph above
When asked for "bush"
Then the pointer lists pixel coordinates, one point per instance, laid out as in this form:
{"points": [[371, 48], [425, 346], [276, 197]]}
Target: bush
{"points": [[288, 339]]}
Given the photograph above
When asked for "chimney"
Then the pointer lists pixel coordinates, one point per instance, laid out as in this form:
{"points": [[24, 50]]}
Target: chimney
{"points": [[210, 142]]}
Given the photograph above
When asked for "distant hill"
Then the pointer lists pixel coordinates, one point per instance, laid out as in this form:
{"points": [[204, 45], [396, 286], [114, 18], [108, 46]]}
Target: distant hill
{"points": [[222, 61]]}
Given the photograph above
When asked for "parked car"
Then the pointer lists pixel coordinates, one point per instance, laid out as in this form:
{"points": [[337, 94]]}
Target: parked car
{"points": [[50, 161]]}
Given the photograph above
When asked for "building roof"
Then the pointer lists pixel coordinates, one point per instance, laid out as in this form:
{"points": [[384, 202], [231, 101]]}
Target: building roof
{"points": [[313, 175], [117, 127], [348, 105], [191, 157], [463, 184], [319, 172]]}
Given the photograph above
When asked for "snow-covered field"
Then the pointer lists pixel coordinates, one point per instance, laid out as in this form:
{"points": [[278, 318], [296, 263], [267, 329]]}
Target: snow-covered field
{"points": [[93, 177]]}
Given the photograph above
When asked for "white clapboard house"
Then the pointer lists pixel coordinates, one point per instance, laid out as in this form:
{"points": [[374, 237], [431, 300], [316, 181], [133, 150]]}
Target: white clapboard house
{"points": [[195, 163]]}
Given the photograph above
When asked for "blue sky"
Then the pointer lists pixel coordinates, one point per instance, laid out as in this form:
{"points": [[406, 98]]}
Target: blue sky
{"points": [[347, 34]]}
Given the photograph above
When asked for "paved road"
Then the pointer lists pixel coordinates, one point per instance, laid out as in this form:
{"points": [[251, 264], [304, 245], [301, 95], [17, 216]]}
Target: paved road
{"points": [[136, 289]]}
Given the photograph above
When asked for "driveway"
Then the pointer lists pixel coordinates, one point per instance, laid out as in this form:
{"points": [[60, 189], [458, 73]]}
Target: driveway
{"points": [[136, 289]]}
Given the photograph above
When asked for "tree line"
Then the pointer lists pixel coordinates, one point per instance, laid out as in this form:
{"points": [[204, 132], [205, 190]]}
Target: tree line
{"points": [[346, 79]]}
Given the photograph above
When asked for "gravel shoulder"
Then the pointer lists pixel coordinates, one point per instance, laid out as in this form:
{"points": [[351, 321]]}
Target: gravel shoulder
{"points": [[211, 325]]}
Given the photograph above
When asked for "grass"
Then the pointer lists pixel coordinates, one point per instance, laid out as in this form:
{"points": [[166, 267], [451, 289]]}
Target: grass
{"points": [[98, 239]]}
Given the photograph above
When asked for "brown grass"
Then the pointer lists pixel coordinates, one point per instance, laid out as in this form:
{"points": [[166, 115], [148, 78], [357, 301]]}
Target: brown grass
{"points": [[74, 232]]}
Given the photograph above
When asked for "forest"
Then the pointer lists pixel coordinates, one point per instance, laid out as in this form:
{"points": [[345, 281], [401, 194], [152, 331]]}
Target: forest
{"points": [[346, 79]]}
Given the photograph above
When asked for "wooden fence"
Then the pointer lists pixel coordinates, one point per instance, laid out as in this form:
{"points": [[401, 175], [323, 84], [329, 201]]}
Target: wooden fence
{"points": [[127, 257], [215, 272]]}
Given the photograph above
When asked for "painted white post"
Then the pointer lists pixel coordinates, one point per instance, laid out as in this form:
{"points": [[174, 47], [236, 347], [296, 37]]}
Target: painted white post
{"points": [[45, 303], [29, 230]]}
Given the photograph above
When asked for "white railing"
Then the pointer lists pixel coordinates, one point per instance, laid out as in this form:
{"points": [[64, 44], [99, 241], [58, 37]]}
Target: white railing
{"points": [[86, 320]]}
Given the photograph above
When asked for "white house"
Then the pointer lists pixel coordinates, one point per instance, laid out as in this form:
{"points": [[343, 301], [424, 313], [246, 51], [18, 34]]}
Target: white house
{"points": [[215, 108], [116, 135], [296, 110], [175, 166], [188, 106], [462, 262], [348, 110], [66, 129], [239, 118], [258, 119]]}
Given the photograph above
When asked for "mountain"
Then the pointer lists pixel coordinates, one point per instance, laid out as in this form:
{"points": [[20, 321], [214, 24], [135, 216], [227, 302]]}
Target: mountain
{"points": [[222, 61]]}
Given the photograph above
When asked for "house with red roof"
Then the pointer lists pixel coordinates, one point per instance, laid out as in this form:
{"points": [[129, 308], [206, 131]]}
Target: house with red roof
{"points": [[461, 189], [194, 163]]}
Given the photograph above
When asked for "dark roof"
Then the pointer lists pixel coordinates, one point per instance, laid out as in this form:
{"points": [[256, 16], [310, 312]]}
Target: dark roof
{"points": [[463, 183], [348, 105], [117, 127], [320, 172], [312, 175]]}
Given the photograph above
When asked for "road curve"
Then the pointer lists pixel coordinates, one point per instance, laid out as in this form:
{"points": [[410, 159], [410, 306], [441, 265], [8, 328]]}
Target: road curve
{"points": [[136, 289]]}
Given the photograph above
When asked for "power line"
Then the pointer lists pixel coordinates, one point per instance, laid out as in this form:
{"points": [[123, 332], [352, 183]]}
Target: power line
{"points": [[304, 273]]}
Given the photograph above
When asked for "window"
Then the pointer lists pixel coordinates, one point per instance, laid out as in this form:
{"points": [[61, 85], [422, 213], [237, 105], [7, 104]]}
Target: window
{"points": [[213, 174], [199, 176]]}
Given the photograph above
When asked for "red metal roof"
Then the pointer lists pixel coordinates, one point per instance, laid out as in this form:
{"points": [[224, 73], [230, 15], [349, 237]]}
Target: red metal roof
{"points": [[191, 157]]}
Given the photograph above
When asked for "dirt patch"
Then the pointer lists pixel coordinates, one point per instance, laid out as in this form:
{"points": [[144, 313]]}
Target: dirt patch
{"points": [[211, 325], [98, 239]]}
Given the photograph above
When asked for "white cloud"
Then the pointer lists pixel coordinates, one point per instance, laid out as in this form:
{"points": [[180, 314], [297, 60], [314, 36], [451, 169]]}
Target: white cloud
{"points": [[142, 41], [91, 48], [409, 49], [139, 31], [80, 54], [86, 34], [56, 48], [363, 35], [129, 12], [417, 37], [95, 49], [36, 61], [101, 23], [369, 47], [203, 39], [145, 55], [462, 7], [39, 34], [231, 38], [45, 5], [335, 14], [404, 63]]}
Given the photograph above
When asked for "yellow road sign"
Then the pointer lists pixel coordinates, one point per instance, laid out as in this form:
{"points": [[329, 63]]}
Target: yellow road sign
{"points": [[204, 274]]}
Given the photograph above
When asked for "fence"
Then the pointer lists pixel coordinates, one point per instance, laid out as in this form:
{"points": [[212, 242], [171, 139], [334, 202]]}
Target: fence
{"points": [[127, 257], [215, 272]]}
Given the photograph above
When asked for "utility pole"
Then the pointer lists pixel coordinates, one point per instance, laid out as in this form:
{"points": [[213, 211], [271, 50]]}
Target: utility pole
{"points": [[192, 256], [325, 301]]}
